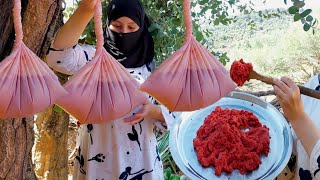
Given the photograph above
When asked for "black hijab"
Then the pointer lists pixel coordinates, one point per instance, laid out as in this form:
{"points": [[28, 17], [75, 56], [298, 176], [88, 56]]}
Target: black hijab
{"points": [[130, 49]]}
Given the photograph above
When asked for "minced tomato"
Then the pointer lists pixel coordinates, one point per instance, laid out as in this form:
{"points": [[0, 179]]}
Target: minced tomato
{"points": [[239, 72], [231, 139]]}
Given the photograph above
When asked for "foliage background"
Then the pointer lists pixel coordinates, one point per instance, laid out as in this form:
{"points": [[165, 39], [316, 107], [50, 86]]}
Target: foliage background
{"points": [[167, 28], [278, 42]]}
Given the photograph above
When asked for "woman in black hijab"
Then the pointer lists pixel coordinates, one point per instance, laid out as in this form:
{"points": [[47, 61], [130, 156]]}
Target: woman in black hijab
{"points": [[125, 148], [133, 49]]}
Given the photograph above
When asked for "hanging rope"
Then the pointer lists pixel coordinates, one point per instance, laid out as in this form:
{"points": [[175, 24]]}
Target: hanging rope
{"points": [[98, 26], [187, 19], [17, 21]]}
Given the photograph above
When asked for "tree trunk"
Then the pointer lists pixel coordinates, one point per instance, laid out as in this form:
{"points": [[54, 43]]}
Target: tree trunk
{"points": [[16, 140], [16, 136], [6, 26], [41, 19], [51, 154]]}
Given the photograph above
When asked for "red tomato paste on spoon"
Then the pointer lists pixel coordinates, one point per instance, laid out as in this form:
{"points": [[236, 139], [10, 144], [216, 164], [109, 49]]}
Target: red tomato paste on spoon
{"points": [[240, 71]]}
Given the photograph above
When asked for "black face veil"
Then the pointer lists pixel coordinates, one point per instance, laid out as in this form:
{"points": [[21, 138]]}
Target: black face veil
{"points": [[130, 49]]}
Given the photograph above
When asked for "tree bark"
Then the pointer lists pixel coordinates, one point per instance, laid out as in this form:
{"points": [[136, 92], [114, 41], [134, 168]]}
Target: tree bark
{"points": [[50, 155], [16, 140], [7, 34], [259, 93], [16, 136], [41, 19]]}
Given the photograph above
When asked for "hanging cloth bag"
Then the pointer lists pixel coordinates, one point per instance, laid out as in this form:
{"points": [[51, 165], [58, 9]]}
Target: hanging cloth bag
{"points": [[27, 84], [192, 78], [103, 90]]}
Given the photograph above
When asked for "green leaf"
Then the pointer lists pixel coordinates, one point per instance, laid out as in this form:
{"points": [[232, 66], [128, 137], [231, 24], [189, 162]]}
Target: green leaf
{"points": [[216, 22], [224, 22], [175, 177], [293, 10], [176, 22], [305, 13], [306, 27], [309, 18], [299, 4], [205, 9], [202, 2], [57, 108], [276, 15], [70, 9], [167, 174], [91, 40], [199, 36], [314, 23], [232, 2], [174, 31], [296, 17]]}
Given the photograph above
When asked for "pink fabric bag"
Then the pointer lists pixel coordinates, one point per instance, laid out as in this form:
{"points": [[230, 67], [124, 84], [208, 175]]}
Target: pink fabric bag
{"points": [[192, 78], [103, 90], [27, 84]]}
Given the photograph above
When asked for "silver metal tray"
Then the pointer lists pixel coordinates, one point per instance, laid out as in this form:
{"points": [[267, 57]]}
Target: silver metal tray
{"points": [[184, 131]]}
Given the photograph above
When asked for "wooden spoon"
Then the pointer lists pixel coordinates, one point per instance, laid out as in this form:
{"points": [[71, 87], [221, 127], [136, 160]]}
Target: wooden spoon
{"points": [[303, 90]]}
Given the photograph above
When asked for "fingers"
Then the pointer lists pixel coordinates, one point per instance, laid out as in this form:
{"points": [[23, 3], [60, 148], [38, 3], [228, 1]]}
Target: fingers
{"points": [[287, 92], [137, 117], [140, 115], [290, 83], [280, 94], [282, 86], [286, 87], [134, 119]]}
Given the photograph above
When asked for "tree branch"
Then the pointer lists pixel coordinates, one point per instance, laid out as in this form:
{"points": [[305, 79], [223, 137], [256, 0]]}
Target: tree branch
{"points": [[258, 93]]}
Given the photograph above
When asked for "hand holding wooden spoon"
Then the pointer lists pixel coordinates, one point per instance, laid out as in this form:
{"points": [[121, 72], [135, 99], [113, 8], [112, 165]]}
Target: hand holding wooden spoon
{"points": [[241, 72]]}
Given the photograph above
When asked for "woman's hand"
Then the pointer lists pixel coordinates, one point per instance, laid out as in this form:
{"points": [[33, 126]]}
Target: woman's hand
{"points": [[148, 111], [88, 4], [289, 97]]}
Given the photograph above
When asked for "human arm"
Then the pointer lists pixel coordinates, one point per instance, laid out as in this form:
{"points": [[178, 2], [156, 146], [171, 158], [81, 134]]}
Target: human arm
{"points": [[69, 34], [65, 55], [290, 100]]}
